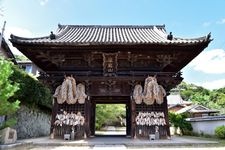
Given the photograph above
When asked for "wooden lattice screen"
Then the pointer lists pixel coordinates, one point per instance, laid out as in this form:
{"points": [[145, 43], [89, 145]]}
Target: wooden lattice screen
{"points": [[143, 131], [66, 129]]}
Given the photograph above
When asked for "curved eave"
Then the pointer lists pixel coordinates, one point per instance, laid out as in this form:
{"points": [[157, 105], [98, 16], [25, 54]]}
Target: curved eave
{"points": [[39, 42]]}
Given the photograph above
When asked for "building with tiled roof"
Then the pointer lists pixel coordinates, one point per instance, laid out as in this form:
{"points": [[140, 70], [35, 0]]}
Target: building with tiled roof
{"points": [[109, 60]]}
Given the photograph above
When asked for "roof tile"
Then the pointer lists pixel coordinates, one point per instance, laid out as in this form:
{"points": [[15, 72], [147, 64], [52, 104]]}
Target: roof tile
{"points": [[91, 35]]}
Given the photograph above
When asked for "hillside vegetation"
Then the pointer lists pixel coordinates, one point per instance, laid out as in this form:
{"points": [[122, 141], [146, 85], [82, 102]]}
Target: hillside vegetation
{"points": [[214, 99]]}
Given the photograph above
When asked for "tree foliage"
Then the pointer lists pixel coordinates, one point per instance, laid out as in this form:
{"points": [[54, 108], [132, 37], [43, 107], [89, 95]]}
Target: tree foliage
{"points": [[220, 132], [214, 99], [178, 120], [108, 114], [17, 84], [31, 91], [8, 88]]}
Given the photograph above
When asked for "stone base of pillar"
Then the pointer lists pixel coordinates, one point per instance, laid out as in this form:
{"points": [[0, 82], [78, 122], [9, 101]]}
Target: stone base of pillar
{"points": [[8, 136]]}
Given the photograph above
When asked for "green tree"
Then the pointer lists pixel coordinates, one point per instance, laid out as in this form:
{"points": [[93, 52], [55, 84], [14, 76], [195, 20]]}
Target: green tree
{"points": [[7, 90], [107, 114], [217, 100], [214, 99], [179, 120], [31, 91], [196, 94]]}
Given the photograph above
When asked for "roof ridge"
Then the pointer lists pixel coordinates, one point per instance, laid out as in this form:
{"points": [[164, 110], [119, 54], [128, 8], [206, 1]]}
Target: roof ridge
{"points": [[118, 26]]}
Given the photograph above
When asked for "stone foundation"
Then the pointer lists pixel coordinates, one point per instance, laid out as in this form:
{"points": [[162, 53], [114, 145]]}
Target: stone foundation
{"points": [[32, 123]]}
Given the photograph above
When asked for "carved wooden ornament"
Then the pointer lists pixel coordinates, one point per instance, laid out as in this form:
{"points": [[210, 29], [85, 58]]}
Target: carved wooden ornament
{"points": [[109, 64]]}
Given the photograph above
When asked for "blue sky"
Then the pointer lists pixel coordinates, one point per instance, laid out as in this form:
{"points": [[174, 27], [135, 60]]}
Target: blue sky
{"points": [[187, 19]]}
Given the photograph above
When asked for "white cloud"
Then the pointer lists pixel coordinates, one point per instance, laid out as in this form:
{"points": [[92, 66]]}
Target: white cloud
{"points": [[222, 21], [216, 84], [18, 32], [206, 24], [43, 2], [1, 12], [212, 62]]}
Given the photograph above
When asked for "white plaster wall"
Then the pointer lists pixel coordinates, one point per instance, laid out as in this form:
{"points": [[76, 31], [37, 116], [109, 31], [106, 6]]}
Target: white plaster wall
{"points": [[206, 127]]}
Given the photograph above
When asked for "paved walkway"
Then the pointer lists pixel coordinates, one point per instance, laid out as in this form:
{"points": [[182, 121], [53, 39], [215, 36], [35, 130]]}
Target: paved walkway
{"points": [[111, 130], [100, 142], [124, 148]]}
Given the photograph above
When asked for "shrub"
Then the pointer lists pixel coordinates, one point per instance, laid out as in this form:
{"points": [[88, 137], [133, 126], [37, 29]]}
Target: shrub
{"points": [[178, 120], [17, 84], [8, 106], [31, 91], [220, 132]]}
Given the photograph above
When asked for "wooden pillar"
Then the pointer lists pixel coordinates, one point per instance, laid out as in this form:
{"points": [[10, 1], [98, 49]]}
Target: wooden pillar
{"points": [[133, 115], [87, 116], [54, 112], [92, 117], [128, 118], [166, 116], [88, 108]]}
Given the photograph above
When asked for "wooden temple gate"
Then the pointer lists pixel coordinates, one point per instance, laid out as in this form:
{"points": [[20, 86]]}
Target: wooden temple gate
{"points": [[118, 91], [109, 61]]}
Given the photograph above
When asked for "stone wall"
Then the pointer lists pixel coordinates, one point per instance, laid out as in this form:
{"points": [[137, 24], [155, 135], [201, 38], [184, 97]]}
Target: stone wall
{"points": [[32, 123]]}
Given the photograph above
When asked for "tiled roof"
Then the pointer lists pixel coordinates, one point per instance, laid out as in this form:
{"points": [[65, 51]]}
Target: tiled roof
{"points": [[109, 35], [206, 118], [7, 51], [195, 109]]}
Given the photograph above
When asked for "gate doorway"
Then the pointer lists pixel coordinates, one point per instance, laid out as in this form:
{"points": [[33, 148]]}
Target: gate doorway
{"points": [[113, 126], [110, 119]]}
